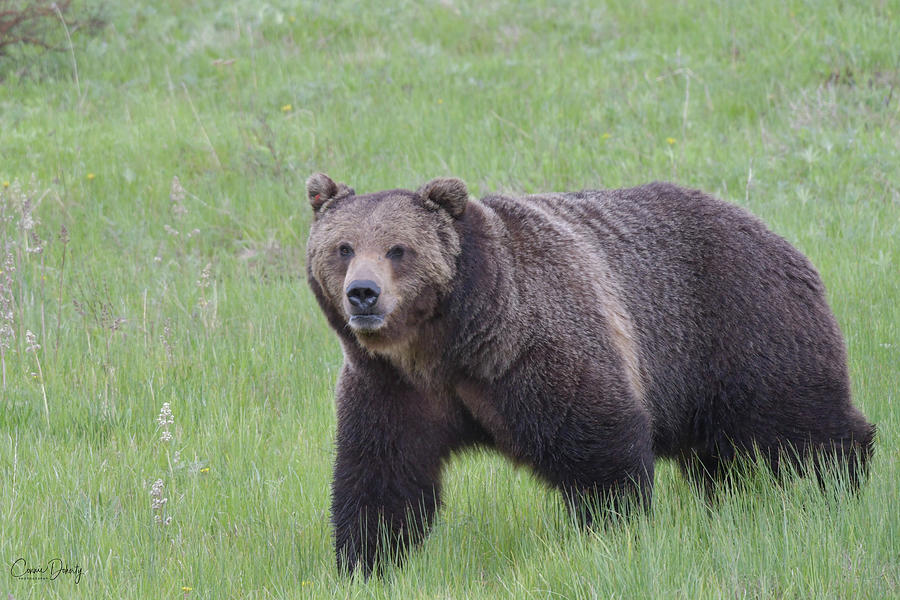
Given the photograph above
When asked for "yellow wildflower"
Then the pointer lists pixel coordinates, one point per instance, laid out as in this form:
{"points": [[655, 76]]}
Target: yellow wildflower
{"points": [[670, 140], [90, 176], [186, 589], [287, 108], [606, 136]]}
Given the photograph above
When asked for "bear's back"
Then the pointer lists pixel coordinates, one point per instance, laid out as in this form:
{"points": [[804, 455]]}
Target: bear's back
{"points": [[716, 299]]}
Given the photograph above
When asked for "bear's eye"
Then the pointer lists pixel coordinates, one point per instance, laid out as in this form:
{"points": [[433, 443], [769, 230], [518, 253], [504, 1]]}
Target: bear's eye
{"points": [[345, 251], [395, 253]]}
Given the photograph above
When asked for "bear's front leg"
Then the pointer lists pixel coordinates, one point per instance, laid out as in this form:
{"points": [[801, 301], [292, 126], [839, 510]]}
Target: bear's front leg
{"points": [[581, 426], [603, 464], [390, 446]]}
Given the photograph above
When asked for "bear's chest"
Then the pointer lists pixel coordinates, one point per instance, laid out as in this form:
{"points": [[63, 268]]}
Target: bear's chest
{"points": [[417, 365]]}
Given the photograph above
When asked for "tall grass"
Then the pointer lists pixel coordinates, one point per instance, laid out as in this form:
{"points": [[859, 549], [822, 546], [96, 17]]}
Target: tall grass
{"points": [[165, 192]]}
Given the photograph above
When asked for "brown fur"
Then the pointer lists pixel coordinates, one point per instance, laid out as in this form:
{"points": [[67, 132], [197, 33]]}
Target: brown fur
{"points": [[583, 334]]}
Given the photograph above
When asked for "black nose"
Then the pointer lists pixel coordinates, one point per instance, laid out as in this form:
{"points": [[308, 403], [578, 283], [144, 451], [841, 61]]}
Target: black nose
{"points": [[363, 293]]}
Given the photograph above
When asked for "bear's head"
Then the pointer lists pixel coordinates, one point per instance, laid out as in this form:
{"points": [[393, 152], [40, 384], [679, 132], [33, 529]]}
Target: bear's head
{"points": [[380, 263]]}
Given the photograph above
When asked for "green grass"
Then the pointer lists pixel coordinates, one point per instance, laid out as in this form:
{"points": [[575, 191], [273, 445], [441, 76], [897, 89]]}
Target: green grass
{"points": [[788, 108]]}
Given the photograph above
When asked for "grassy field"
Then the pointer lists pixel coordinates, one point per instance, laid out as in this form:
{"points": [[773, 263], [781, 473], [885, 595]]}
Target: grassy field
{"points": [[152, 230]]}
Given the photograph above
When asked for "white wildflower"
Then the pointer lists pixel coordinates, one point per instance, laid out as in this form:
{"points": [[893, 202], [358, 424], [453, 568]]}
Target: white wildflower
{"points": [[165, 415], [7, 335], [176, 195], [165, 419], [158, 502], [27, 220], [203, 282], [31, 344], [7, 331]]}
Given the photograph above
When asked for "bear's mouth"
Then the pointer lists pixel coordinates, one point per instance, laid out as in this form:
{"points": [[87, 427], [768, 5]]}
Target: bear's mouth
{"points": [[366, 323]]}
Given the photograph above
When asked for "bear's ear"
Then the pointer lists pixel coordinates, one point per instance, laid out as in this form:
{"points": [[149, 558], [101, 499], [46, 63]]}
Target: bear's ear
{"points": [[321, 189], [446, 192]]}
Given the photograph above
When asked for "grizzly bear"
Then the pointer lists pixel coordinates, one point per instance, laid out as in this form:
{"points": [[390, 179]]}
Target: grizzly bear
{"points": [[582, 334]]}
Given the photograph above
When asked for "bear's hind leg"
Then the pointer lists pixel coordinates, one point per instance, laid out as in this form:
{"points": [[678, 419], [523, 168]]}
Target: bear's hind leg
{"points": [[839, 446], [806, 427], [706, 470], [817, 427]]}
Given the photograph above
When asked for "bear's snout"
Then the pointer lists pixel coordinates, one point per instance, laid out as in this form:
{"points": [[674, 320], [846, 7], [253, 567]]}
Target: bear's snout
{"points": [[362, 294]]}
